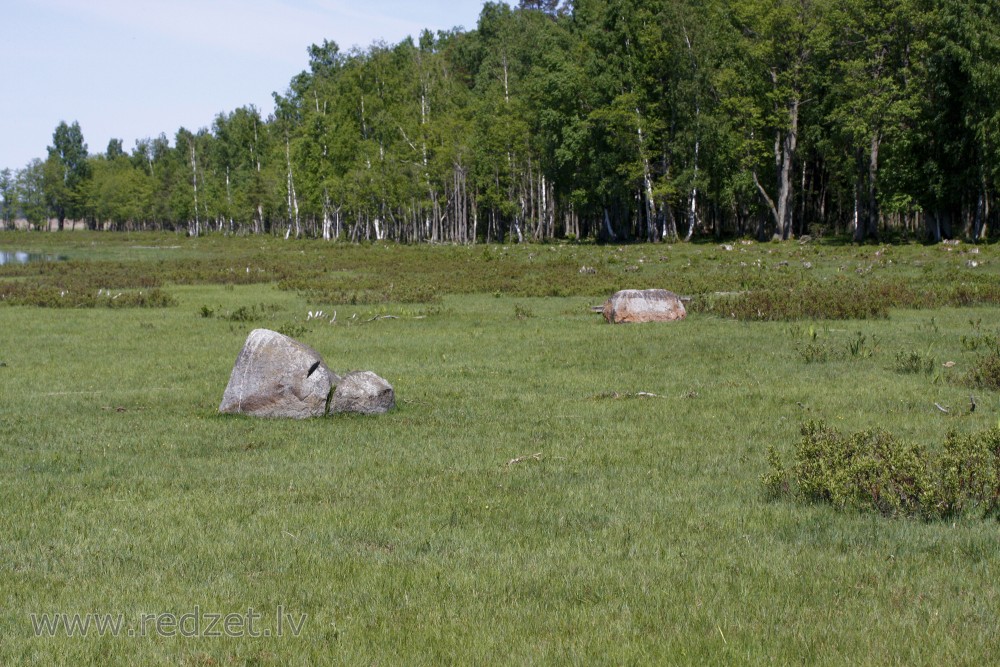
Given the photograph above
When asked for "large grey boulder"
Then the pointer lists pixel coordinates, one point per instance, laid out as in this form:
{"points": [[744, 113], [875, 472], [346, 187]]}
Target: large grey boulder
{"points": [[277, 376], [651, 305], [363, 392]]}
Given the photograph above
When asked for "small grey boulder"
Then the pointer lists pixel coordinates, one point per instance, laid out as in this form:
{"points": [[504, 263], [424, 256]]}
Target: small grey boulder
{"points": [[651, 305], [277, 376], [363, 392]]}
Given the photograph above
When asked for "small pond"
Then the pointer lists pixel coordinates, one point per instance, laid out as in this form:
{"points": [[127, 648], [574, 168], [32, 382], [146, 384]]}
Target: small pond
{"points": [[18, 257]]}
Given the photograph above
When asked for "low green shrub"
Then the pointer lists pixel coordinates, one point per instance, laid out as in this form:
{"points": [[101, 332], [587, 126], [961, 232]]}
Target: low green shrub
{"points": [[48, 296], [813, 352], [522, 312], [912, 362], [843, 298], [874, 471], [986, 373], [834, 300], [253, 313], [969, 473], [862, 346]]}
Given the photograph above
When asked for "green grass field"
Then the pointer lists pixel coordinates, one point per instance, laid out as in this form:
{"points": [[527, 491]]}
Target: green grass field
{"points": [[522, 505]]}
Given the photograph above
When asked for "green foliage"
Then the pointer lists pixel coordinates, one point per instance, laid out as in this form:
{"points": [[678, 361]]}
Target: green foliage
{"points": [[975, 341], [776, 480], [837, 300], [912, 362], [986, 373], [30, 194], [846, 299], [67, 171], [619, 121], [293, 329], [869, 470], [47, 296], [874, 471], [254, 313], [814, 351], [863, 347], [8, 198], [522, 312]]}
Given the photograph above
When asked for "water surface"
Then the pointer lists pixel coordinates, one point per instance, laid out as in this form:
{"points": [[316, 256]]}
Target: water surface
{"points": [[20, 257]]}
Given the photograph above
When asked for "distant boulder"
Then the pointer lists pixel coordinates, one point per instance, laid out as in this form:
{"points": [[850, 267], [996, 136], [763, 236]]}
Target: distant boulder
{"points": [[277, 376], [363, 392], [651, 305]]}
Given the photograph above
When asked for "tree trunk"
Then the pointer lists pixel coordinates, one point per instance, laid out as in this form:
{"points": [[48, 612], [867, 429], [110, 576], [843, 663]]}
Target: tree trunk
{"points": [[982, 212], [872, 214], [194, 183], [607, 227], [785, 207], [647, 182], [670, 226], [293, 202], [767, 200], [933, 226]]}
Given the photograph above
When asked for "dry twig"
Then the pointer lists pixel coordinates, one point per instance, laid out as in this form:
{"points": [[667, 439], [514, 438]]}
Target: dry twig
{"points": [[522, 459], [639, 394]]}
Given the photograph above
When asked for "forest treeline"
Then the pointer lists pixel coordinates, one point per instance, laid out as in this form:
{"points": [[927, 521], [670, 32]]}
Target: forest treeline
{"points": [[617, 120]]}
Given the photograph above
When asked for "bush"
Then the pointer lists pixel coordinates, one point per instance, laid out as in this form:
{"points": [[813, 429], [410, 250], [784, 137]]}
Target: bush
{"points": [[874, 471], [834, 300], [844, 298], [986, 374], [47, 296], [914, 362], [970, 473], [254, 313], [522, 312]]}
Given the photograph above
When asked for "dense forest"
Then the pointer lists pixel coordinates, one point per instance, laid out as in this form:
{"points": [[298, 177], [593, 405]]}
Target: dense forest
{"points": [[615, 120]]}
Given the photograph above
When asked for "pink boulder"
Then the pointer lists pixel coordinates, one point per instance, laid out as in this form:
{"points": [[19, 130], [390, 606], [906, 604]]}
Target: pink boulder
{"points": [[651, 305]]}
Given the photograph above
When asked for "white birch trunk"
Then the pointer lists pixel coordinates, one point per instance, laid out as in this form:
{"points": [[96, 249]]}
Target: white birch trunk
{"points": [[607, 226], [293, 202], [194, 183], [693, 209]]}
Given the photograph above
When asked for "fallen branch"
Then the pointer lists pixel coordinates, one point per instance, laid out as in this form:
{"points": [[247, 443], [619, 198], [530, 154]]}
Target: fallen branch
{"points": [[614, 395], [383, 317], [522, 459], [942, 408]]}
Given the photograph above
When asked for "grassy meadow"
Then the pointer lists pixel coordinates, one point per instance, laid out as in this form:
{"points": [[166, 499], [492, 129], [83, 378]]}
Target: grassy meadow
{"points": [[525, 503]]}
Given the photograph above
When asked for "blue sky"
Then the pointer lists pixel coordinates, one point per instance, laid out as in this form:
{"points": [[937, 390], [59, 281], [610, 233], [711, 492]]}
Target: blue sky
{"points": [[131, 69]]}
